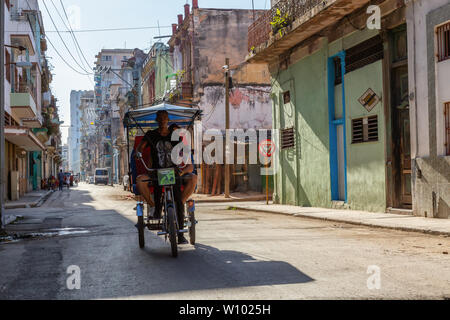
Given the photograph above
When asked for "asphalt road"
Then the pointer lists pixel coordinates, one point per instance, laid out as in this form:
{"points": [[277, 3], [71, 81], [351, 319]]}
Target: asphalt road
{"points": [[239, 255]]}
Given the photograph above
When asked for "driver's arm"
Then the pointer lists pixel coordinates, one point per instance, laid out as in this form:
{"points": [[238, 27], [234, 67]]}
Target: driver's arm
{"points": [[187, 169], [141, 147]]}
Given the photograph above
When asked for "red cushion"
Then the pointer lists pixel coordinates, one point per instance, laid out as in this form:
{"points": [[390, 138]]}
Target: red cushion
{"points": [[145, 155]]}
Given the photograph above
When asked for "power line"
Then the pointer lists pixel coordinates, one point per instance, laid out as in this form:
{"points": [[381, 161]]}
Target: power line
{"points": [[111, 29], [68, 28], [68, 21], [65, 45], [62, 58], [74, 38]]}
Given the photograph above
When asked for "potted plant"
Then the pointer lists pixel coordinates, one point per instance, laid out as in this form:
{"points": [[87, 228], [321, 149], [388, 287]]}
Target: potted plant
{"points": [[279, 22]]}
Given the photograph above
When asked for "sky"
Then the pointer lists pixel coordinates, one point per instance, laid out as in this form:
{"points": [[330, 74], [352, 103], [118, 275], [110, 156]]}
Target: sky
{"points": [[108, 14]]}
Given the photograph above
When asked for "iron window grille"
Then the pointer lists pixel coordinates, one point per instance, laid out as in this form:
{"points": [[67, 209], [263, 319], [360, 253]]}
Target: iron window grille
{"points": [[447, 128], [287, 138], [443, 42], [359, 56], [365, 129]]}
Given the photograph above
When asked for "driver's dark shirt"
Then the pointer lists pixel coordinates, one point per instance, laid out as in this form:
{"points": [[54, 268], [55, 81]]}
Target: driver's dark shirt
{"points": [[161, 149]]}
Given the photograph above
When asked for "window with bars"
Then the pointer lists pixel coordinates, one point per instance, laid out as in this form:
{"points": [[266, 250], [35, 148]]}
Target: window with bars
{"points": [[287, 138], [447, 128], [365, 129], [8, 66], [359, 56], [443, 42]]}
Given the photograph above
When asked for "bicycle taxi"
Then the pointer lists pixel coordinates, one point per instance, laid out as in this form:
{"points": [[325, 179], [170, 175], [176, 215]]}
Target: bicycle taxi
{"points": [[137, 123]]}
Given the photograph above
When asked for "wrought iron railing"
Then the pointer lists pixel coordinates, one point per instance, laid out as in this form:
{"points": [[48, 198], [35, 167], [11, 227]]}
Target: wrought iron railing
{"points": [[186, 90], [289, 10]]}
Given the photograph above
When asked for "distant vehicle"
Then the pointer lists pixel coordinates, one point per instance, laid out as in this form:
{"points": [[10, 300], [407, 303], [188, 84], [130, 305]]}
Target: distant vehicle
{"points": [[91, 180], [101, 176]]}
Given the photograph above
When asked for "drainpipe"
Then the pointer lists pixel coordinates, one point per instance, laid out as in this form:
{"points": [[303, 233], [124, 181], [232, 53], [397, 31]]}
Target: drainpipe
{"points": [[413, 92], [2, 109]]}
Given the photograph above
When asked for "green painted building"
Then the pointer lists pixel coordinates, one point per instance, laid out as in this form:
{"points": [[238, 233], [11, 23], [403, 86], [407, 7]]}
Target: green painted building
{"points": [[335, 85], [155, 72]]}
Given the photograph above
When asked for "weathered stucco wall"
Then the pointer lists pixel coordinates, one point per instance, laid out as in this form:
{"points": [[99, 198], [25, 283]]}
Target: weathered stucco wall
{"points": [[431, 171], [366, 170], [250, 107], [220, 34], [304, 178]]}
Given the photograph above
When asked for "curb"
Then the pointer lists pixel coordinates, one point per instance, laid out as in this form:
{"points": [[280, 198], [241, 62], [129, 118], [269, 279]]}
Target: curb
{"points": [[259, 198], [366, 224], [34, 204]]}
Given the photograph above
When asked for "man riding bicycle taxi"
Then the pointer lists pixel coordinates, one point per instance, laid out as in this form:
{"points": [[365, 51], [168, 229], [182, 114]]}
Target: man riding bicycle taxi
{"points": [[161, 145]]}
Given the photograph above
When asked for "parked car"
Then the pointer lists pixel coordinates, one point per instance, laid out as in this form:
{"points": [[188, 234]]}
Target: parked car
{"points": [[91, 180]]}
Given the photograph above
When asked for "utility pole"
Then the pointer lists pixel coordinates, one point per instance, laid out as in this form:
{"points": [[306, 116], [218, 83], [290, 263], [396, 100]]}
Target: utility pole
{"points": [[227, 126], [2, 108]]}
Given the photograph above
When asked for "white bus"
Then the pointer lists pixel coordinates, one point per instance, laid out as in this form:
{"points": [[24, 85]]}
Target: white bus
{"points": [[101, 176]]}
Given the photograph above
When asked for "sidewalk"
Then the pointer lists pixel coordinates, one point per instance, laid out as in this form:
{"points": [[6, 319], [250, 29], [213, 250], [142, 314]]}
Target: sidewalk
{"points": [[29, 200], [377, 220], [234, 197]]}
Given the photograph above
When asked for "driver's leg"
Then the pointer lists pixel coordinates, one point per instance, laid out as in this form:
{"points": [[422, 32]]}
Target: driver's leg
{"points": [[190, 182], [143, 188]]}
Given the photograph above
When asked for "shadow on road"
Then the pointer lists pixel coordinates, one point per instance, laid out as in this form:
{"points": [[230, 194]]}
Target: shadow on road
{"points": [[113, 266]]}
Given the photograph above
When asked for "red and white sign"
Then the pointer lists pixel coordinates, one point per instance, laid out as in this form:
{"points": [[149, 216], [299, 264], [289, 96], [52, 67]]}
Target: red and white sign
{"points": [[267, 148]]}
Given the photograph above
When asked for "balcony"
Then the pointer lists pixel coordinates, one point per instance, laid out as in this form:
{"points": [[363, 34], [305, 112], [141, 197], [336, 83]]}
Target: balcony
{"points": [[187, 91], [23, 106], [300, 20]]}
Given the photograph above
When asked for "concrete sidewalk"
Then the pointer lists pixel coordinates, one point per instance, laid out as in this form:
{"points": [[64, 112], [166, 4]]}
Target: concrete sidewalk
{"points": [[29, 200], [377, 220], [234, 197]]}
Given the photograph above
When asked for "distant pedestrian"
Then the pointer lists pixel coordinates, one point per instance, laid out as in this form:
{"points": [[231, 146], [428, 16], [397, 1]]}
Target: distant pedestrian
{"points": [[61, 180]]}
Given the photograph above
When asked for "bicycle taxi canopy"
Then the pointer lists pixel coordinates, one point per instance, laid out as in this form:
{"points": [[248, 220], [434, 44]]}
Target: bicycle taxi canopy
{"points": [[146, 118]]}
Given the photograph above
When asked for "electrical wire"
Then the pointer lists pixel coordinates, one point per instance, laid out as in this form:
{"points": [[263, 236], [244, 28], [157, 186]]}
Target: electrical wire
{"points": [[111, 29], [73, 35], [77, 47], [69, 28], [64, 43], [64, 60]]}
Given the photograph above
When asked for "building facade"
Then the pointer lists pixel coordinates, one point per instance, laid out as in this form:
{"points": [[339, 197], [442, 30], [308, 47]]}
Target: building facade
{"points": [[110, 83], [74, 140], [157, 73], [202, 40], [30, 135], [88, 136], [341, 103], [429, 82]]}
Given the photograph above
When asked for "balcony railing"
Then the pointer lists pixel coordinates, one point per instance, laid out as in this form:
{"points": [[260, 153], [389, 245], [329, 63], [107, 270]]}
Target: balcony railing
{"points": [[290, 10], [187, 90]]}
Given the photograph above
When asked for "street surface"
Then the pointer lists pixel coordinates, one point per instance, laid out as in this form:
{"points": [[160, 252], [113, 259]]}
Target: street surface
{"points": [[239, 255]]}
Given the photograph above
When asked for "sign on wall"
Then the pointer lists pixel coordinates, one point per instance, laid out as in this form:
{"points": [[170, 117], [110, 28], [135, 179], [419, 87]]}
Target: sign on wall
{"points": [[369, 100]]}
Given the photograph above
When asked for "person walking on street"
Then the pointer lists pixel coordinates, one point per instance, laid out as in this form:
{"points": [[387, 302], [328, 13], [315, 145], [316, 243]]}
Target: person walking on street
{"points": [[61, 180]]}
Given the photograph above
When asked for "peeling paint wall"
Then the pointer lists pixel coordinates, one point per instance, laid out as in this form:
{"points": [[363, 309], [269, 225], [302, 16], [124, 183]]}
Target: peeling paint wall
{"points": [[250, 107], [428, 91], [221, 34]]}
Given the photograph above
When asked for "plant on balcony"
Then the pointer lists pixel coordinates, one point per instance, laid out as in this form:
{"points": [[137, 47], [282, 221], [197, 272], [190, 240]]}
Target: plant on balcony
{"points": [[174, 95], [279, 22]]}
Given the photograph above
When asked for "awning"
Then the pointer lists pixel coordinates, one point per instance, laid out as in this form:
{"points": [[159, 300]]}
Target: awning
{"points": [[146, 118], [24, 138]]}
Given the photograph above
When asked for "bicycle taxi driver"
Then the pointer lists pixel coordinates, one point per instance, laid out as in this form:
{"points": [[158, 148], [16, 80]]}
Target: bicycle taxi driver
{"points": [[161, 145]]}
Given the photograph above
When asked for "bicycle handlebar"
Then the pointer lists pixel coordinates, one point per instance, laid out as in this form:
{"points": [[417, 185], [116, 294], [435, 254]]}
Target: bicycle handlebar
{"points": [[152, 170]]}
